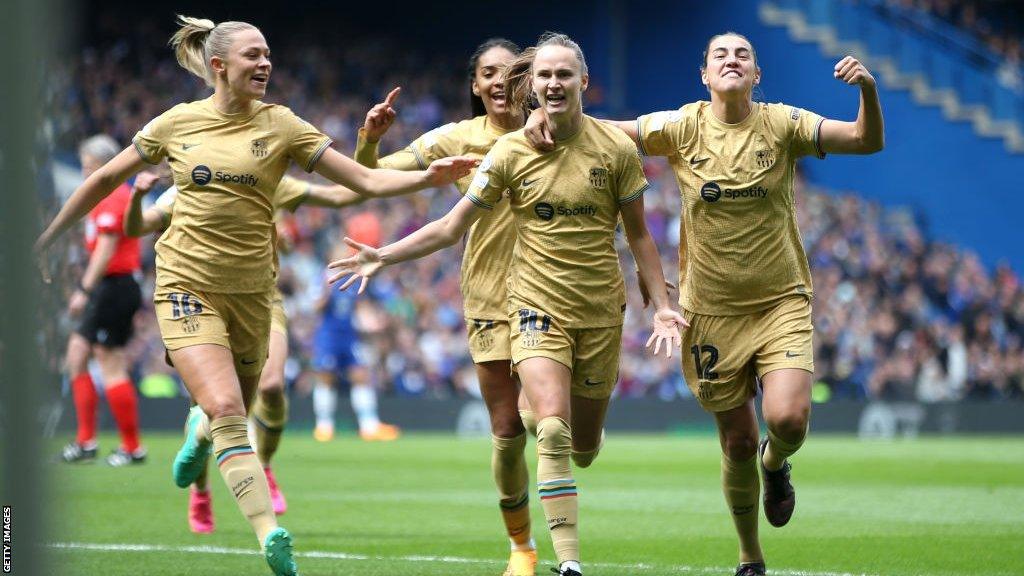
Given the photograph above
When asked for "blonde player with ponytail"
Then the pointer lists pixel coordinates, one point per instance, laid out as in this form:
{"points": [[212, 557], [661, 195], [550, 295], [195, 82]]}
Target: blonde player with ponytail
{"points": [[215, 273]]}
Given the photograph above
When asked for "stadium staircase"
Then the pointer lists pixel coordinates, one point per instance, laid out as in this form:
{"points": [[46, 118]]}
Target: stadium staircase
{"points": [[938, 64]]}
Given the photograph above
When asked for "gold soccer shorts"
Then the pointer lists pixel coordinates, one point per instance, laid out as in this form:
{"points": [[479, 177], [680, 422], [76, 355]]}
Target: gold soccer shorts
{"points": [[239, 322], [278, 319], [724, 356], [489, 340], [591, 354]]}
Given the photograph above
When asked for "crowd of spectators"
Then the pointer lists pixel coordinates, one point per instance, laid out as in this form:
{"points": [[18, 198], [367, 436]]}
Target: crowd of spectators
{"points": [[998, 24], [897, 315]]}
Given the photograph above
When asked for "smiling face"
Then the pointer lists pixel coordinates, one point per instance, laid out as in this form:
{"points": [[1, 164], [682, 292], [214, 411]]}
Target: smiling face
{"points": [[730, 67], [558, 80], [246, 68], [487, 82]]}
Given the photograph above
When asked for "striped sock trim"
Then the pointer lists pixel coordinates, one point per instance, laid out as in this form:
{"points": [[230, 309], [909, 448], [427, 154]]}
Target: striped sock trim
{"points": [[230, 453], [516, 505], [561, 488]]}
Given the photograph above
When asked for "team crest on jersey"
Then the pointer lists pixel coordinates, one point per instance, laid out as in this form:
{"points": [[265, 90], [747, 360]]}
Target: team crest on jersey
{"points": [[259, 148], [765, 158], [599, 178]]}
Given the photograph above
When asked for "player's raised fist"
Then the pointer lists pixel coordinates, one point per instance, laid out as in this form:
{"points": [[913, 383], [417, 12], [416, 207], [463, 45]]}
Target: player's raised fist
{"points": [[851, 71]]}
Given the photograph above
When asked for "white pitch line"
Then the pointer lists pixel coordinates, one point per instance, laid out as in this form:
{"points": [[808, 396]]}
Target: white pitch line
{"points": [[417, 558]]}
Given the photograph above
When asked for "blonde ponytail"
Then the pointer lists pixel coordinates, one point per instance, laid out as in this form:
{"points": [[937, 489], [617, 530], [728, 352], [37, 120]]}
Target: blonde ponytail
{"points": [[199, 39]]}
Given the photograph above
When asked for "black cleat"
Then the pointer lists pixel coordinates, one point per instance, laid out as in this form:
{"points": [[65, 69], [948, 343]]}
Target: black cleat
{"points": [[779, 496], [752, 569], [122, 457], [75, 453], [566, 572]]}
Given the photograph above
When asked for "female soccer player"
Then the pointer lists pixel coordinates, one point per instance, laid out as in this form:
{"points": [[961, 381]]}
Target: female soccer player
{"points": [[746, 285], [269, 412], [485, 265], [566, 295], [105, 302], [215, 271]]}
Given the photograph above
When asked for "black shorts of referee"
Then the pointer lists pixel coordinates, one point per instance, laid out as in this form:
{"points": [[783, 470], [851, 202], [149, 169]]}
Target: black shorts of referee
{"points": [[109, 316]]}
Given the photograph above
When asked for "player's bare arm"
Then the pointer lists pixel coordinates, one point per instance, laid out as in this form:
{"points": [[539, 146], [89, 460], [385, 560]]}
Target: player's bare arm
{"points": [[436, 235], [865, 135], [667, 322], [377, 183]]}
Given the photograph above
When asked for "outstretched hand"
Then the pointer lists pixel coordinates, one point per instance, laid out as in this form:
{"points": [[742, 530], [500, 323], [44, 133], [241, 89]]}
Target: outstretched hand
{"points": [[359, 266], [448, 170], [667, 324], [380, 118], [851, 71], [538, 132]]}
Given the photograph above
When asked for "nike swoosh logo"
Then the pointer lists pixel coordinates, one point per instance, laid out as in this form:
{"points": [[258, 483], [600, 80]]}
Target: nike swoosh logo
{"points": [[528, 183], [244, 361], [791, 355], [188, 146], [589, 383], [695, 160]]}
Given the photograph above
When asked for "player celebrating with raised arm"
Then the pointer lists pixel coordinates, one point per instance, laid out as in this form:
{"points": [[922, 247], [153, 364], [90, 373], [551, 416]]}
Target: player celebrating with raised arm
{"points": [[269, 413], [215, 272], [485, 264], [566, 294], [744, 278]]}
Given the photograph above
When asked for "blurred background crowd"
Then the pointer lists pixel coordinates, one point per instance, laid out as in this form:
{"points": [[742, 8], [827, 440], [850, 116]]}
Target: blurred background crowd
{"points": [[897, 315]]}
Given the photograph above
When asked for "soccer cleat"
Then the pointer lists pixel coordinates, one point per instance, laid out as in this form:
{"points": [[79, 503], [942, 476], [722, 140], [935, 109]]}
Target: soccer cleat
{"points": [[200, 511], [122, 457], [323, 433], [521, 563], [276, 496], [779, 496], [75, 453], [383, 433], [752, 569], [566, 572], [191, 458], [277, 549]]}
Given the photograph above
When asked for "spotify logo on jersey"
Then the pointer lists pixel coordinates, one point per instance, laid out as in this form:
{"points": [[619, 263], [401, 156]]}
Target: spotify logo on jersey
{"points": [[544, 211], [201, 175], [710, 192]]}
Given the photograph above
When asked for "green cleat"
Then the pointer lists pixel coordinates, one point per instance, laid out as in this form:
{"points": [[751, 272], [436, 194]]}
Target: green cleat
{"points": [[277, 549], [191, 458]]}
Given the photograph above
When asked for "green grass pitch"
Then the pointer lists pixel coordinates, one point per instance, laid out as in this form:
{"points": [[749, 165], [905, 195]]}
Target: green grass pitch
{"points": [[650, 505]]}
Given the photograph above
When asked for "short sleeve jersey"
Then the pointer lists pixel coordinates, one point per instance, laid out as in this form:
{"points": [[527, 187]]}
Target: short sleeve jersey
{"points": [[488, 250], [291, 193], [565, 205], [227, 168], [740, 249], [108, 218]]}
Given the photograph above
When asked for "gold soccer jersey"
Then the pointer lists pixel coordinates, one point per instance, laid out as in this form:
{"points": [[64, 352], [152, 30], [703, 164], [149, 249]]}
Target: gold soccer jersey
{"points": [[566, 205], [489, 243], [227, 168], [740, 250]]}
